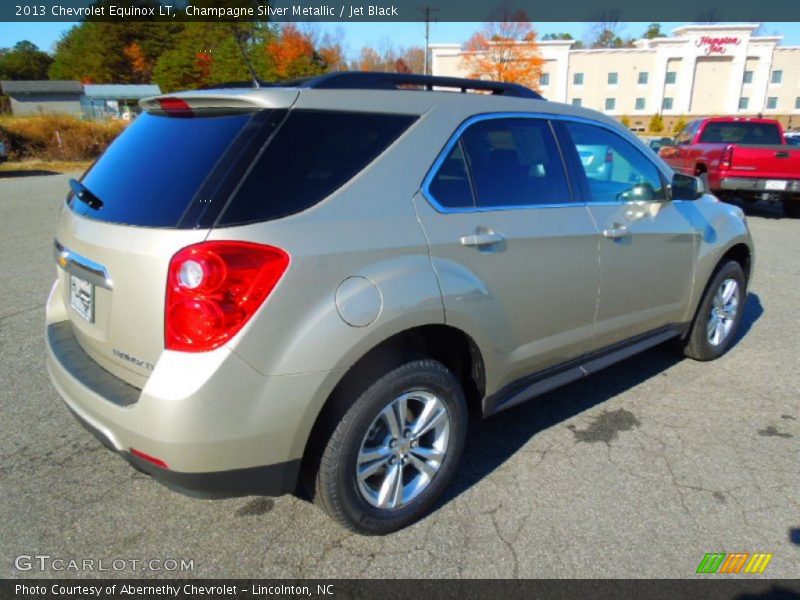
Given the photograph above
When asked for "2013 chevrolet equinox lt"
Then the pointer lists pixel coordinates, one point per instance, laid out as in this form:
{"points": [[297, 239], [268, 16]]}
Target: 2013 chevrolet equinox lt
{"points": [[262, 290]]}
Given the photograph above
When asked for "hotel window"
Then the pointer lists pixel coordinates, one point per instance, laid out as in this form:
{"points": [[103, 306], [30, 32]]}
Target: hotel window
{"points": [[667, 104], [544, 79], [639, 104], [611, 103], [748, 77], [797, 103], [777, 77], [577, 79], [772, 103], [743, 103], [642, 78], [576, 102], [671, 77], [613, 78]]}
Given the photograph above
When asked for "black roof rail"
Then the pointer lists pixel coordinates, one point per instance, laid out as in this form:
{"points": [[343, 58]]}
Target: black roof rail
{"points": [[363, 80], [368, 80]]}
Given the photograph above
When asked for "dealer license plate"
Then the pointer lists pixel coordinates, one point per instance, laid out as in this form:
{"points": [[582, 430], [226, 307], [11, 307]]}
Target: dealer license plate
{"points": [[775, 184], [81, 297]]}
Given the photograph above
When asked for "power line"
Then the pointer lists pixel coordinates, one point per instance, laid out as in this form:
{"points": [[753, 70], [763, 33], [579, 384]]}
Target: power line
{"points": [[427, 11]]}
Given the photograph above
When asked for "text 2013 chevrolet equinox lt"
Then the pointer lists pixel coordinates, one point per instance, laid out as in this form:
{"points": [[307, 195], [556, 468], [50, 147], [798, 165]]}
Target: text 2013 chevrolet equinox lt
{"points": [[310, 286]]}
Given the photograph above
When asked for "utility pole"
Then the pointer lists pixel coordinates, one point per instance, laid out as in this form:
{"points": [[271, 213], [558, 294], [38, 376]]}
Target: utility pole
{"points": [[427, 11]]}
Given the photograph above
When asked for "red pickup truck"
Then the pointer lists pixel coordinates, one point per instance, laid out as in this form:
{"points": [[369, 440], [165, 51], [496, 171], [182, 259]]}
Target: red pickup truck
{"points": [[739, 157]]}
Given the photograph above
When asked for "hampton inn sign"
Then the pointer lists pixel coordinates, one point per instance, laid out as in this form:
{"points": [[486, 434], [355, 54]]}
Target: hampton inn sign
{"points": [[698, 70]]}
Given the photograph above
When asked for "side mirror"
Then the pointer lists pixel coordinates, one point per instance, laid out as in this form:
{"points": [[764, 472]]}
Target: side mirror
{"points": [[686, 187]]}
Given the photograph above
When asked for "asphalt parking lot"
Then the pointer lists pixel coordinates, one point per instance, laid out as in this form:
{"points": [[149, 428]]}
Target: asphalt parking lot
{"points": [[635, 472]]}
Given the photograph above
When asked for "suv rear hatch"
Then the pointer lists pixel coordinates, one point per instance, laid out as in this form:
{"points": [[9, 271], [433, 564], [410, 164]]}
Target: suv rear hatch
{"points": [[157, 189]]}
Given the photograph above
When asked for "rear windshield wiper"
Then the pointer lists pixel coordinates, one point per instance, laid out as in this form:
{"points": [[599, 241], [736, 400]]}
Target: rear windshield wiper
{"points": [[83, 194]]}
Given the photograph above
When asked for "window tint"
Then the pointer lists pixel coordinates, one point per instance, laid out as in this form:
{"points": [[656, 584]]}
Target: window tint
{"points": [[451, 187], [152, 172], [616, 170], [515, 162], [312, 155], [687, 133], [741, 132]]}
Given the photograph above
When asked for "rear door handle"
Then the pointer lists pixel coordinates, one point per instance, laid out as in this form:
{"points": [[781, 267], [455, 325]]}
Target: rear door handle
{"points": [[488, 238], [616, 231]]}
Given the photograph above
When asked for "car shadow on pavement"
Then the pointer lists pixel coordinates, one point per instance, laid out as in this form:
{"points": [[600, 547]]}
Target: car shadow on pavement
{"points": [[765, 210], [26, 173], [491, 442]]}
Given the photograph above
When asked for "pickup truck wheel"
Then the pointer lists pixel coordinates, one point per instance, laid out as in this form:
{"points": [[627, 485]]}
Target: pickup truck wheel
{"points": [[719, 314], [395, 449], [791, 207]]}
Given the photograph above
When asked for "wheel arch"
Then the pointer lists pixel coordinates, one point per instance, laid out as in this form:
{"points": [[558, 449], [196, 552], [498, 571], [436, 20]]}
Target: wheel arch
{"points": [[447, 344]]}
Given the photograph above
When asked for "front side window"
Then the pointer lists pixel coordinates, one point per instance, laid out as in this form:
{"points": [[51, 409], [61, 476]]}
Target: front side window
{"points": [[502, 163], [616, 171], [687, 133]]}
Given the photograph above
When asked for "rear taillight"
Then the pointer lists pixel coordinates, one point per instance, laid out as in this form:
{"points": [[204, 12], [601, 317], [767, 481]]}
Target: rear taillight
{"points": [[175, 106], [213, 289], [726, 158]]}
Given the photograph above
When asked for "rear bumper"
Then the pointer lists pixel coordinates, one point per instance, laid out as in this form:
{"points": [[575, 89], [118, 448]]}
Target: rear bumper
{"points": [[236, 433], [754, 184]]}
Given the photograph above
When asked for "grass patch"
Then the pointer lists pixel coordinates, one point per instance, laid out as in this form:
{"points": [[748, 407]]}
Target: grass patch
{"points": [[58, 138]]}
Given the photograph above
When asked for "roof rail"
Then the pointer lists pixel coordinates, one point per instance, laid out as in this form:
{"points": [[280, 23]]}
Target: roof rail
{"points": [[392, 81], [363, 80]]}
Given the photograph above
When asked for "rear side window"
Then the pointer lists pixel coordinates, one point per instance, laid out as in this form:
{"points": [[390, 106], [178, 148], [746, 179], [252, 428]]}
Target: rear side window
{"points": [[152, 172], [313, 154], [502, 163], [741, 132]]}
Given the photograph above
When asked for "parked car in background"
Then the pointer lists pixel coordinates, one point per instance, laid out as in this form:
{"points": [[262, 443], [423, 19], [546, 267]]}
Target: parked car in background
{"points": [[3, 153], [738, 157], [792, 138], [655, 144], [326, 278]]}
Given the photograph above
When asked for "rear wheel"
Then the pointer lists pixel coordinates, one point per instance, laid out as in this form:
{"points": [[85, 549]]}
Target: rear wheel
{"points": [[394, 450], [791, 206], [719, 314]]}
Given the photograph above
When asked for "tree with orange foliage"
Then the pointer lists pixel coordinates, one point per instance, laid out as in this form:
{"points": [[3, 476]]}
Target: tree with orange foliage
{"points": [[293, 54], [141, 67], [505, 50]]}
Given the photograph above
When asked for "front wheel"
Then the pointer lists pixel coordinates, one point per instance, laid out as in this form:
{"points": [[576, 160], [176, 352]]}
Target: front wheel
{"points": [[719, 314], [394, 450]]}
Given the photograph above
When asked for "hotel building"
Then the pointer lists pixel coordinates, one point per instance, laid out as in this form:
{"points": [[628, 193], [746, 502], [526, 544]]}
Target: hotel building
{"points": [[701, 70]]}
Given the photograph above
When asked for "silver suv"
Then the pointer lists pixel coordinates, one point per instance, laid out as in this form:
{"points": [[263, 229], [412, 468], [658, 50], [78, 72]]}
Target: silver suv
{"points": [[309, 287]]}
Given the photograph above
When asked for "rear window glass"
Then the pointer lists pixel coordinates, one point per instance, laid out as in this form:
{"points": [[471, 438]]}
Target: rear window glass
{"points": [[312, 155], [758, 134], [151, 173]]}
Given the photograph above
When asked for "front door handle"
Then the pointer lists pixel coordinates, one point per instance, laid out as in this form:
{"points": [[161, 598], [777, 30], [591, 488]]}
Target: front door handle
{"points": [[615, 231], [484, 238]]}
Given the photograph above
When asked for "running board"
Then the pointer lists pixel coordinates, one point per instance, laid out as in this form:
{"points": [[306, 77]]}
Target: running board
{"points": [[555, 377]]}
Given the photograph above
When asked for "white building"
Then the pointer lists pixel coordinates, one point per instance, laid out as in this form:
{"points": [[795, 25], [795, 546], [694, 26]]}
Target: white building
{"points": [[701, 70]]}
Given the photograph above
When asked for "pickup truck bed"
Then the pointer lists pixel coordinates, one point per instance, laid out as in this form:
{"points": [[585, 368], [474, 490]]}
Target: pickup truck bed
{"points": [[742, 158]]}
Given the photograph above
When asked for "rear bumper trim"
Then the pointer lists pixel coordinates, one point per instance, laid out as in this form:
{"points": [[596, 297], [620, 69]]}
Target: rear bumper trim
{"points": [[753, 184], [269, 480]]}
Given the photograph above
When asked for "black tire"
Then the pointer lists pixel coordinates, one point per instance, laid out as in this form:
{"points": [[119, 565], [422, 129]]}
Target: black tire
{"points": [[791, 207], [698, 344], [336, 487]]}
